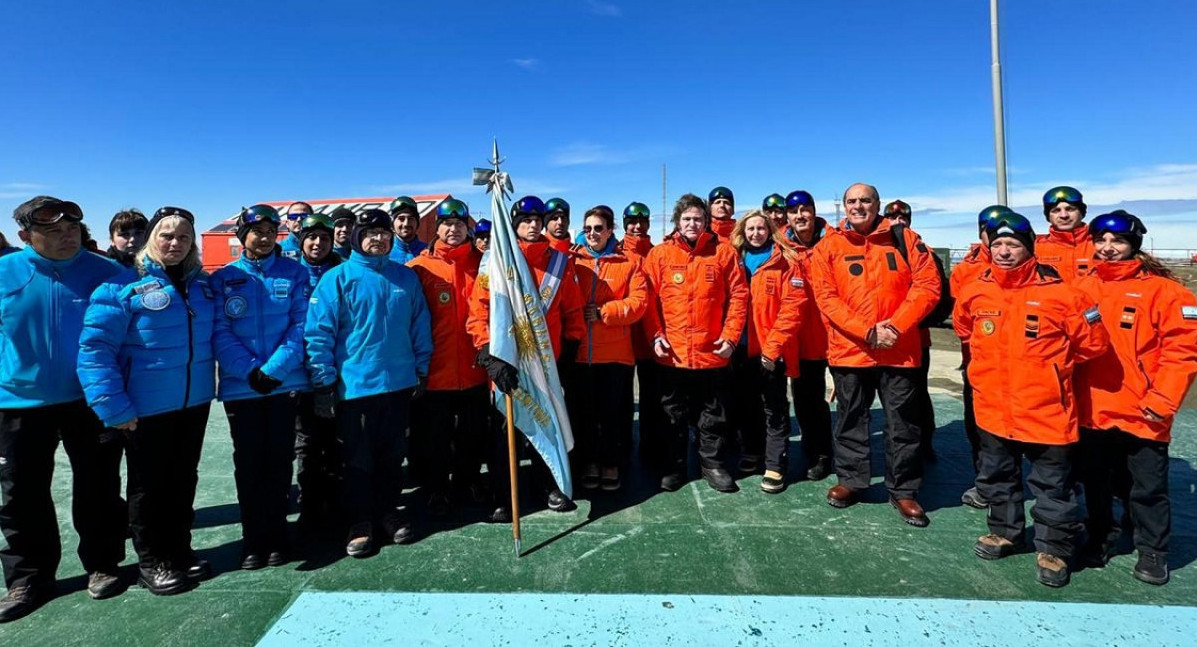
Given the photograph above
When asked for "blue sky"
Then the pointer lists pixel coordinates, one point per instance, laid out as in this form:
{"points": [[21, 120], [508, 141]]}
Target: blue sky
{"points": [[219, 104]]}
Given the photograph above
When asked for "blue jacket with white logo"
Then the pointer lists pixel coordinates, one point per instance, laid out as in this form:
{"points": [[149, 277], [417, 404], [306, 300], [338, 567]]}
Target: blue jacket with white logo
{"points": [[42, 303], [260, 309], [368, 329], [317, 271], [291, 247], [402, 252], [146, 348]]}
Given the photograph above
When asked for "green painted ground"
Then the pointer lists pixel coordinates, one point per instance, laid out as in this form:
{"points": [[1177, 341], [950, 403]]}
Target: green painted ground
{"points": [[638, 541]]}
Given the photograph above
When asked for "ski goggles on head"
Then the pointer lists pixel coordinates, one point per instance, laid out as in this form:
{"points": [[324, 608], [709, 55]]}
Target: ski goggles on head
{"points": [[403, 203], [251, 216], [528, 206], [773, 201], [1010, 223], [991, 212], [897, 209], [1119, 223], [1061, 194], [47, 216], [636, 210], [166, 212], [452, 209], [721, 192], [316, 221], [799, 199]]}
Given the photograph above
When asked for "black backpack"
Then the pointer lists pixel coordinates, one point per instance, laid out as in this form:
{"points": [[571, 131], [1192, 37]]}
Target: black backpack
{"points": [[943, 309]]}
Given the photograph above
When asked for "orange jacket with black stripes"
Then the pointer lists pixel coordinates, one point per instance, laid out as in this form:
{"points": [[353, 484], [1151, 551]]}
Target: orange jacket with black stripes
{"points": [[861, 280], [1070, 252], [1149, 366], [615, 284], [1027, 330], [637, 248], [812, 336]]}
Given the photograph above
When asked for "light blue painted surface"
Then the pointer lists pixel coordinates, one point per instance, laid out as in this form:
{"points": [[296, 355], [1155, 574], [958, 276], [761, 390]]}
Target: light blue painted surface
{"points": [[543, 620]]}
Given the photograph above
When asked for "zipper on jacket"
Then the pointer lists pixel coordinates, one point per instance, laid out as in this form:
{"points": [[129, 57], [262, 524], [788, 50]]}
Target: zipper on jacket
{"points": [[190, 348], [1060, 385], [1146, 378], [55, 315]]}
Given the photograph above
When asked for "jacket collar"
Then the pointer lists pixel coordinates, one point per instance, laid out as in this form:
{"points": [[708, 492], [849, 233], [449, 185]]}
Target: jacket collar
{"points": [[705, 239], [373, 262], [1118, 270], [263, 265], [1021, 276], [457, 254], [1078, 236], [45, 263]]}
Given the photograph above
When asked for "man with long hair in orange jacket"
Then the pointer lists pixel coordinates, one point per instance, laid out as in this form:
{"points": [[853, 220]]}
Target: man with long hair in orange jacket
{"points": [[872, 297], [1028, 330]]}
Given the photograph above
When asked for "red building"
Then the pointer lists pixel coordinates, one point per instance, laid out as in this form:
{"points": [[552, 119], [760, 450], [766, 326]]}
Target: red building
{"points": [[220, 245]]}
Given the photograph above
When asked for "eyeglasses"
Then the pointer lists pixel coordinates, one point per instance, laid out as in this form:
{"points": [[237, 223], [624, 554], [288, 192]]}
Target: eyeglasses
{"points": [[636, 210], [799, 199], [594, 229], [1061, 194], [378, 234], [257, 213], [166, 212], [1119, 223]]}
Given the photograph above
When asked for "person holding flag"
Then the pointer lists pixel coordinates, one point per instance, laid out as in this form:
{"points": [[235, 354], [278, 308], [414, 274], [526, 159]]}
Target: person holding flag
{"points": [[528, 291]]}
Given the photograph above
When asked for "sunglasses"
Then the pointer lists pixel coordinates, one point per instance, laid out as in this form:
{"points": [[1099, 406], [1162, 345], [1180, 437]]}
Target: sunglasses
{"points": [[594, 229], [166, 212], [1062, 194], [1119, 224], [258, 213]]}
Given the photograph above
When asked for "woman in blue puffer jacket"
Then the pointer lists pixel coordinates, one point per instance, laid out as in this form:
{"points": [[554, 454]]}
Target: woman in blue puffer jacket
{"points": [[262, 300], [147, 368]]}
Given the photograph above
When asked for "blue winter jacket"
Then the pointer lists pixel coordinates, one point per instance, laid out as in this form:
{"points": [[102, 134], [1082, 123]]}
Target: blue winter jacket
{"points": [[369, 326], [402, 252], [260, 310], [41, 315], [317, 271], [145, 348], [291, 247], [343, 251]]}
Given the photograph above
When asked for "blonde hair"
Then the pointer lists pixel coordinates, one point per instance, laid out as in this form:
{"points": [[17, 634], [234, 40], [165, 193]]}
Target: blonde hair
{"points": [[740, 241], [150, 251]]}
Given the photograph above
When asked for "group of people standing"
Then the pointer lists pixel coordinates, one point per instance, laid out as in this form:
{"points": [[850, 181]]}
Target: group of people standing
{"points": [[354, 347]]}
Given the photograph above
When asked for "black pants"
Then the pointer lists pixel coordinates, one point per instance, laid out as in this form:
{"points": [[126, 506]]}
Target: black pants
{"points": [[263, 431], [855, 389], [1112, 463], [604, 421], [373, 433], [1059, 518], [498, 463], [970, 425], [811, 409], [449, 433], [760, 410], [318, 468], [652, 423], [926, 409], [28, 440], [163, 461], [696, 397]]}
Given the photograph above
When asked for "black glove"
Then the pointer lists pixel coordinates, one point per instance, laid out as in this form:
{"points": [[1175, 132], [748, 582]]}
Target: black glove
{"points": [[324, 402], [261, 382], [421, 386], [504, 375], [779, 366]]}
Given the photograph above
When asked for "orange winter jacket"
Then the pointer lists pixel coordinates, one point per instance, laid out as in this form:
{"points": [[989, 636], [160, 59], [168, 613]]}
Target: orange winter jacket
{"points": [[636, 248], [564, 317], [1070, 252], [1027, 329], [723, 228], [701, 298], [563, 245], [616, 284], [1152, 357], [776, 300], [812, 337], [448, 275], [861, 280]]}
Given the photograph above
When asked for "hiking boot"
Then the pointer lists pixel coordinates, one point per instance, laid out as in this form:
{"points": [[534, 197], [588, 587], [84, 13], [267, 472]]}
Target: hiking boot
{"points": [[399, 528], [558, 502], [197, 569], [101, 585], [773, 482], [911, 512], [719, 479], [501, 514], [590, 477], [973, 499], [820, 470], [610, 479], [361, 540], [252, 562], [1052, 571], [672, 482], [1152, 568], [162, 579], [21, 601], [277, 558], [841, 496], [993, 546]]}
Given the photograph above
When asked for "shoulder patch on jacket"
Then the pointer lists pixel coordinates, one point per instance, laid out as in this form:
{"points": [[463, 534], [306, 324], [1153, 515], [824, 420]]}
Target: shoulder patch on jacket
{"points": [[796, 282], [1188, 312], [1047, 270], [1093, 315]]}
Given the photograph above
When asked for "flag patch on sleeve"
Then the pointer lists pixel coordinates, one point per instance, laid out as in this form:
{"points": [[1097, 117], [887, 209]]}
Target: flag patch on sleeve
{"points": [[1188, 312], [1092, 315]]}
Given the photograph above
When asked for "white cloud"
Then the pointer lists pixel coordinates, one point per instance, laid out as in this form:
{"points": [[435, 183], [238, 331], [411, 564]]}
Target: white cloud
{"points": [[11, 190], [600, 8], [983, 170], [582, 153], [455, 186], [526, 63]]}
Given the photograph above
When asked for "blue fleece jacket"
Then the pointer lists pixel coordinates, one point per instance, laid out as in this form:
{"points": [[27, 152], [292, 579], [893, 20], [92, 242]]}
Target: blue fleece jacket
{"points": [[402, 252]]}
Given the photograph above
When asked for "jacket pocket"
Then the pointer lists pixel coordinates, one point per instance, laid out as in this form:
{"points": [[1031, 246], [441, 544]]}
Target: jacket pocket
{"points": [[1060, 385]]}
